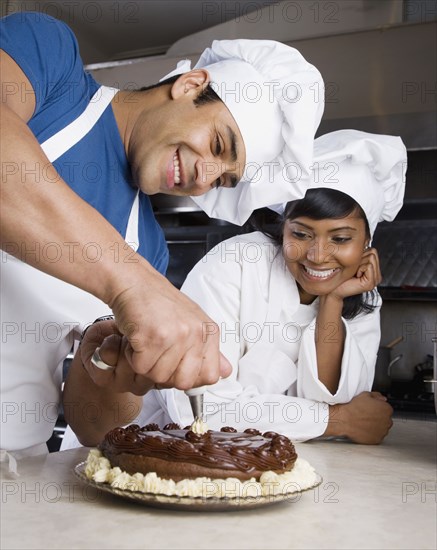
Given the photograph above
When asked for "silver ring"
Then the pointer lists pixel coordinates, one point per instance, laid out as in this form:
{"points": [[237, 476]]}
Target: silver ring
{"points": [[96, 360]]}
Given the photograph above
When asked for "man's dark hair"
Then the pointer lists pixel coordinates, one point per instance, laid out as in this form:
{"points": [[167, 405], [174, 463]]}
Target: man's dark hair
{"points": [[207, 95], [319, 204]]}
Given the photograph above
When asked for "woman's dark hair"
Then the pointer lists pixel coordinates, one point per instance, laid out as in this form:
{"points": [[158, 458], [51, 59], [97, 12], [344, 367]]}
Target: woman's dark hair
{"points": [[319, 204], [207, 95]]}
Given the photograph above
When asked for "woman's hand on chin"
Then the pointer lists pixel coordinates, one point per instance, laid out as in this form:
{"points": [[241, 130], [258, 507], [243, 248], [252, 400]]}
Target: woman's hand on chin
{"points": [[368, 276]]}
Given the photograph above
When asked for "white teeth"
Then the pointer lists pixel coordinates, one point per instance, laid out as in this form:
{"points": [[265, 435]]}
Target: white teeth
{"points": [[177, 172], [319, 274]]}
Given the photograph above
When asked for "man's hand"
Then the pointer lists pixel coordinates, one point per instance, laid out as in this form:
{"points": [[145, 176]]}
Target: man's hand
{"points": [[96, 401], [112, 344], [171, 340], [366, 419]]}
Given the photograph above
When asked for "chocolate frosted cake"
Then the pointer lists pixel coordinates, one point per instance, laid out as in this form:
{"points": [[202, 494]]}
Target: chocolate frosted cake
{"points": [[175, 453]]}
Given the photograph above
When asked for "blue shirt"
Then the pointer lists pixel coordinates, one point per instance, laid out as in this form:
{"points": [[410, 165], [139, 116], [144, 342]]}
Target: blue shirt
{"points": [[96, 168]]}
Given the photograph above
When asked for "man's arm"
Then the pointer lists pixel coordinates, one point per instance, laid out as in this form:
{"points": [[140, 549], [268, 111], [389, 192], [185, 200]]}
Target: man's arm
{"points": [[164, 328], [38, 206]]}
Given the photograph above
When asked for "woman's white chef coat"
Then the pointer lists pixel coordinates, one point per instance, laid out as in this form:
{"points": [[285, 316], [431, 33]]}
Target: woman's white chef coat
{"points": [[244, 285]]}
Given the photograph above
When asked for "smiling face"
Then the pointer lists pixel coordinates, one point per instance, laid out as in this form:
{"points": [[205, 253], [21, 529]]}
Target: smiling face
{"points": [[322, 254], [179, 148]]}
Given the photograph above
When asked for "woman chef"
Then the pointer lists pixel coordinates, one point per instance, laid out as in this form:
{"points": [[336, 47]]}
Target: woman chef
{"points": [[298, 312]]}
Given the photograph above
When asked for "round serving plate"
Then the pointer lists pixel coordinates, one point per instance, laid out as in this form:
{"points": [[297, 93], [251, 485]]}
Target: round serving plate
{"points": [[192, 504]]}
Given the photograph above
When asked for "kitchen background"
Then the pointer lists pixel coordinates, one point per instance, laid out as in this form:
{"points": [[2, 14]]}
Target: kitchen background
{"points": [[379, 62]]}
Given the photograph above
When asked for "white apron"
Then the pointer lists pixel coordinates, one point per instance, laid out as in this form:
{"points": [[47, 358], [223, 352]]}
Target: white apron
{"points": [[40, 316]]}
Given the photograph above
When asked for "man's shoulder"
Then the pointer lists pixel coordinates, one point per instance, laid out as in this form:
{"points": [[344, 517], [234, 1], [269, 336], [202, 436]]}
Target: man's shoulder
{"points": [[47, 52], [43, 47], [33, 22]]}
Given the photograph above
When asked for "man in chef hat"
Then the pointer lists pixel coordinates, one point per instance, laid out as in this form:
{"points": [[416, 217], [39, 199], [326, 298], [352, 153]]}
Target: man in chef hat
{"points": [[168, 143], [276, 99]]}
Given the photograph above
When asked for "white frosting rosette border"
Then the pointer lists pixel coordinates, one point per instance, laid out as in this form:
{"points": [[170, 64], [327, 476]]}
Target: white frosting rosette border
{"points": [[300, 478]]}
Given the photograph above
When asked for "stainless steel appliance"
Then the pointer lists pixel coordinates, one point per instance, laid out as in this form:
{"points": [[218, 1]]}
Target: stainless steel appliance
{"points": [[408, 253], [434, 372]]}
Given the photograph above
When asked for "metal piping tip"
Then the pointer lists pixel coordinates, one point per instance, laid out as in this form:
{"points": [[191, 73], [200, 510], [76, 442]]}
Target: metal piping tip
{"points": [[196, 402]]}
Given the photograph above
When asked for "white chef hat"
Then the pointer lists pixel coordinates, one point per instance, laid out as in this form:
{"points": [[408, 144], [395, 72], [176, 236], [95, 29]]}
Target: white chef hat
{"points": [[370, 168], [277, 99]]}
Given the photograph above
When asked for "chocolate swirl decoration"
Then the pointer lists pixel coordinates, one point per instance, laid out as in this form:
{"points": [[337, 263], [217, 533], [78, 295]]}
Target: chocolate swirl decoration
{"points": [[226, 450]]}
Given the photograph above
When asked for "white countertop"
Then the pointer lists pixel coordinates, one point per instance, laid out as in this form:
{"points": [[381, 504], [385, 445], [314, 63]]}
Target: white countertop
{"points": [[381, 497]]}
